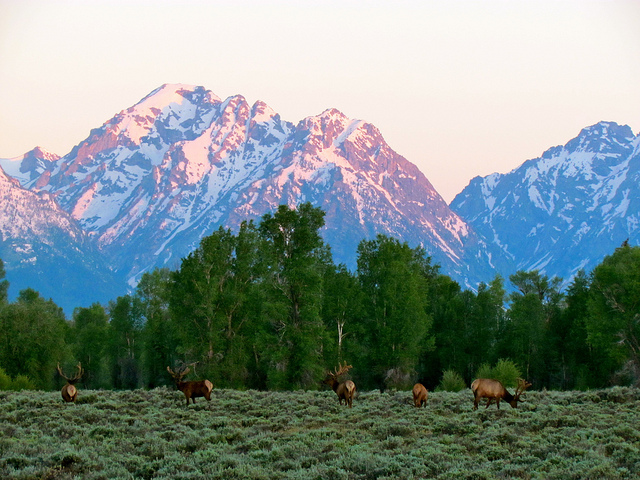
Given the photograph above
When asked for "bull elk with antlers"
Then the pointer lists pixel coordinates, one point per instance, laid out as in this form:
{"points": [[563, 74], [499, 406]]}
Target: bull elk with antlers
{"points": [[344, 390], [69, 391], [193, 389], [494, 390], [420, 395]]}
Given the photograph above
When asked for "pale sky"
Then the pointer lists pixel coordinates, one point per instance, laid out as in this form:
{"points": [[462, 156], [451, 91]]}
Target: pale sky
{"points": [[459, 88]]}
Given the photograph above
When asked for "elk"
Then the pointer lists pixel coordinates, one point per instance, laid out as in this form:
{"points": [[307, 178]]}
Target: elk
{"points": [[420, 395], [494, 390], [344, 390], [191, 390], [69, 391]]}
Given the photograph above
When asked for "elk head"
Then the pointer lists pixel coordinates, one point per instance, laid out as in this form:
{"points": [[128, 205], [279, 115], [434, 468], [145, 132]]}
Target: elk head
{"points": [[69, 391], [193, 389], [345, 390], [522, 386]]}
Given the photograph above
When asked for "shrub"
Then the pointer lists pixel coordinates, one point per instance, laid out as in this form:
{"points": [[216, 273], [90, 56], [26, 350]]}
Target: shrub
{"points": [[5, 380], [21, 382], [451, 382], [505, 371]]}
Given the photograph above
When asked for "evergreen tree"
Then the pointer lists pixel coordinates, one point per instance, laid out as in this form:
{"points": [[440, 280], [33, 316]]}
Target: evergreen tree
{"points": [[125, 331], [4, 285], [213, 299], [397, 326], [90, 332], [342, 311], [293, 333], [583, 370], [613, 323], [490, 316], [534, 305], [32, 332], [152, 298]]}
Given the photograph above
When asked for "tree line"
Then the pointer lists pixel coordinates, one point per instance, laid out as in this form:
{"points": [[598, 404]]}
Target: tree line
{"points": [[267, 308]]}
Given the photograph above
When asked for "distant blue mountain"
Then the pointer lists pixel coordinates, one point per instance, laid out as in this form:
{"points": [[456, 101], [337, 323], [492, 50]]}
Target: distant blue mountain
{"points": [[564, 211]]}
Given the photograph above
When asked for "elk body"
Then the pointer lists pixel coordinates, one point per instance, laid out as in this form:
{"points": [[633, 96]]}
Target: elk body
{"points": [[191, 390], [420, 395], [494, 390], [344, 390], [69, 391]]}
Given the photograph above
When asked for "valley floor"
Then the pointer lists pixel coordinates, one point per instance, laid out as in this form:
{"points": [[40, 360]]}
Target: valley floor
{"points": [[307, 435]]}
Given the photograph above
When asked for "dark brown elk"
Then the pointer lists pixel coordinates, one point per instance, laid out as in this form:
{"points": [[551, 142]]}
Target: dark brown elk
{"points": [[69, 391], [420, 395], [191, 390], [494, 390], [344, 390]]}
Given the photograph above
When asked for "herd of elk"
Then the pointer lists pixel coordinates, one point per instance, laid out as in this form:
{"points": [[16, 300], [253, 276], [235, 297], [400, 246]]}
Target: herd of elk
{"points": [[69, 391], [420, 395], [494, 390], [344, 390], [487, 388], [193, 389]]}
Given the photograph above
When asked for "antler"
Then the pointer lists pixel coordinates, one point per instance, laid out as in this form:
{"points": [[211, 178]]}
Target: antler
{"points": [[76, 377], [522, 386], [340, 370], [181, 371]]}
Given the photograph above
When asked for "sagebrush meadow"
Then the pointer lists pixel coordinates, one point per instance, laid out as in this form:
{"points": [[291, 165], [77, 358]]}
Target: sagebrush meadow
{"points": [[308, 435]]}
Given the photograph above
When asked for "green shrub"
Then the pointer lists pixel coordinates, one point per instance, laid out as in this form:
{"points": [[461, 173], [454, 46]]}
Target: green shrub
{"points": [[505, 371], [5, 380], [451, 382], [21, 382]]}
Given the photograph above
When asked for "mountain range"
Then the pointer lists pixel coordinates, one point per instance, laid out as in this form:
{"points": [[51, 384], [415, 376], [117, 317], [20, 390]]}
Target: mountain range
{"points": [[142, 190]]}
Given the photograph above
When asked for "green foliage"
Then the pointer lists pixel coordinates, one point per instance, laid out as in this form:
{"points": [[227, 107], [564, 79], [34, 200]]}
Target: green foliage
{"points": [[21, 382], [266, 308], [158, 336], [613, 321], [91, 338], [505, 371], [293, 333], [528, 335], [451, 381], [32, 334], [5, 380], [396, 327], [4, 284], [125, 342]]}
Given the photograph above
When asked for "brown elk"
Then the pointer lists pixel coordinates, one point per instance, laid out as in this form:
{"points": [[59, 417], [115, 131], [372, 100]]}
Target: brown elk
{"points": [[193, 389], [69, 391], [420, 395], [344, 390], [494, 390]]}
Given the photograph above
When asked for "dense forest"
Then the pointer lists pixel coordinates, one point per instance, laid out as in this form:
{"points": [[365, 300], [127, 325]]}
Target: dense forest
{"points": [[267, 308]]}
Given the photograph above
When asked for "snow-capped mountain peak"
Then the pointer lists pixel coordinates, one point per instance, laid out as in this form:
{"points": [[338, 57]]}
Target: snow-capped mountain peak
{"points": [[154, 179], [576, 200], [30, 166]]}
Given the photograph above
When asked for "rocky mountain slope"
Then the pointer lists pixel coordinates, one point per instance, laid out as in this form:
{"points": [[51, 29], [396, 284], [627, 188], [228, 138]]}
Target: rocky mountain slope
{"points": [[44, 248], [152, 181], [565, 210]]}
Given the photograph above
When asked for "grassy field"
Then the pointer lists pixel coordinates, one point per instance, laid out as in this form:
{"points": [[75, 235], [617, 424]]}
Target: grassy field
{"points": [[307, 435]]}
